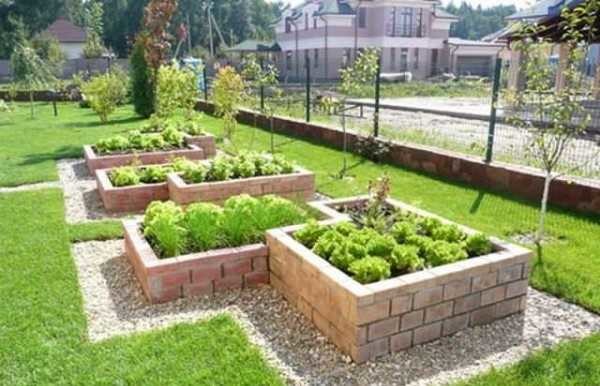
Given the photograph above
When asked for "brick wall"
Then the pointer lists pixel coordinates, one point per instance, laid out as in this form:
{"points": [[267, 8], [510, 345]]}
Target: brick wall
{"points": [[196, 274], [367, 321], [128, 198], [522, 182]]}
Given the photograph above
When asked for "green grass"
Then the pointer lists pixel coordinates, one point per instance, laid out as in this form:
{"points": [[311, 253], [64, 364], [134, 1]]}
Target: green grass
{"points": [[95, 230], [570, 364], [43, 327]]}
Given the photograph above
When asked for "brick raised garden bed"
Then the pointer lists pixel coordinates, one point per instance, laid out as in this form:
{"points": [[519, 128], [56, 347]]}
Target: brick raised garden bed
{"points": [[128, 198], [367, 321], [205, 142], [95, 161], [203, 273], [299, 185]]}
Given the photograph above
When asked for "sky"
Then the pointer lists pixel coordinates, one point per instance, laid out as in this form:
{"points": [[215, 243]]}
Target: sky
{"points": [[518, 3]]}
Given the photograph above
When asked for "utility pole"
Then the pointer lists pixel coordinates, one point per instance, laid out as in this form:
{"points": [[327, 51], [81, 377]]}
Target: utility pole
{"points": [[210, 33], [189, 34]]}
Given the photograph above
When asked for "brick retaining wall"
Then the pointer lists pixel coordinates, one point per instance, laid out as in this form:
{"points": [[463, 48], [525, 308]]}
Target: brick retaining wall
{"points": [[367, 321], [163, 280], [128, 198], [520, 181]]}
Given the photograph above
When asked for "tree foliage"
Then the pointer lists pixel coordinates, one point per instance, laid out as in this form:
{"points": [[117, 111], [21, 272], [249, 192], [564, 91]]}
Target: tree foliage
{"points": [[155, 36], [228, 94], [553, 112], [142, 88], [105, 92], [175, 89], [477, 22]]}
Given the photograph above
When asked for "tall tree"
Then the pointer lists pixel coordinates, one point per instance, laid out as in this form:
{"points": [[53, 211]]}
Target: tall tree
{"points": [[477, 22]]}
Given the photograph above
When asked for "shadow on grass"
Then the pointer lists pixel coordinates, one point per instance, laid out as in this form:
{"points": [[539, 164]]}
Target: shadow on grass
{"points": [[76, 125], [63, 152], [477, 203]]}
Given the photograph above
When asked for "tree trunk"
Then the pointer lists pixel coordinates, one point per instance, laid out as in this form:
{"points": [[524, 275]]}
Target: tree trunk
{"points": [[345, 144], [272, 135], [541, 228]]}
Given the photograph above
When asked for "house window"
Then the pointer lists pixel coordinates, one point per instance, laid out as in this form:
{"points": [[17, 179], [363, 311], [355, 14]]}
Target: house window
{"points": [[420, 30], [362, 18], [416, 64], [314, 20], [288, 60], [316, 58], [404, 22], [393, 58], [306, 21], [404, 59]]}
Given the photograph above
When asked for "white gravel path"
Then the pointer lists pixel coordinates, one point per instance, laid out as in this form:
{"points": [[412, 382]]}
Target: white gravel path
{"points": [[115, 306], [82, 201]]}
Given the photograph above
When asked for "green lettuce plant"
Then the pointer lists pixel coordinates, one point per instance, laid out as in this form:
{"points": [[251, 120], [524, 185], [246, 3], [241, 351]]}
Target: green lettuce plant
{"points": [[370, 270]]}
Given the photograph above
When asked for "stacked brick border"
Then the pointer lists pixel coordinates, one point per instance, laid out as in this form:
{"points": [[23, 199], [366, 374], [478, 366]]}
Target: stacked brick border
{"points": [[205, 273], [520, 181], [95, 162], [367, 321], [299, 185], [128, 198], [205, 142], [196, 274]]}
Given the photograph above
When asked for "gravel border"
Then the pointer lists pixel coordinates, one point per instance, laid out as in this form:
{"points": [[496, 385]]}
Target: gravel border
{"points": [[82, 201], [114, 305]]}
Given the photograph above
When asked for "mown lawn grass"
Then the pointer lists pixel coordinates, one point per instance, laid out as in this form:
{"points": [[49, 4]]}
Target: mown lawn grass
{"points": [[43, 327]]}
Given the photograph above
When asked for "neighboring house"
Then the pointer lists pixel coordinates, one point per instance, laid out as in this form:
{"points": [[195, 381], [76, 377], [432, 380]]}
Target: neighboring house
{"points": [[70, 37], [413, 36]]}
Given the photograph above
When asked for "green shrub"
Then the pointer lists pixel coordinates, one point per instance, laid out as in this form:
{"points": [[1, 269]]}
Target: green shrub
{"points": [[449, 233], [442, 252], [310, 233], [141, 84], [478, 245], [370, 270], [203, 222], [124, 176], [405, 258], [175, 89], [104, 93]]}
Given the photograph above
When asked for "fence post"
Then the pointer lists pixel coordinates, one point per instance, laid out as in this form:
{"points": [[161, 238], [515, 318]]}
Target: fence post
{"points": [[262, 88], [377, 94], [492, 129], [205, 80], [307, 89]]}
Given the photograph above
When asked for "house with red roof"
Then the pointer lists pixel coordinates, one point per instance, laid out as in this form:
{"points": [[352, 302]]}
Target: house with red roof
{"points": [[70, 37]]}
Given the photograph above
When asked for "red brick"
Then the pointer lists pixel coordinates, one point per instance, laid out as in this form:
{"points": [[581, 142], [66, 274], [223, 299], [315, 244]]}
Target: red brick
{"points": [[438, 312], [484, 282], [259, 264], [412, 320], [457, 288], [428, 297], [401, 341], [206, 273], [373, 312], [428, 333], [383, 328], [493, 295], [239, 267], [508, 307], [511, 273], [483, 315], [466, 304], [167, 295], [229, 282], [175, 278], [401, 304], [455, 324], [254, 279], [517, 288]]}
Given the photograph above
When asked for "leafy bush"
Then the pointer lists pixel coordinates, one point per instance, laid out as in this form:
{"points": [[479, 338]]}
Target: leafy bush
{"points": [[124, 176], [372, 148], [191, 124], [370, 270], [141, 83], [405, 258], [203, 222], [478, 245], [104, 93], [175, 89], [228, 90], [442, 252]]}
